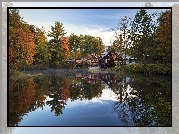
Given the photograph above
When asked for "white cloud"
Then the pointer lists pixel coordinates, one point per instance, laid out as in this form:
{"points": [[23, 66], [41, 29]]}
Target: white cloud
{"points": [[116, 16], [107, 95], [94, 30]]}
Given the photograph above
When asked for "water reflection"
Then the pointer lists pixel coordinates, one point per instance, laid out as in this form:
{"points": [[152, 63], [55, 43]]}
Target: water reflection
{"points": [[136, 100]]}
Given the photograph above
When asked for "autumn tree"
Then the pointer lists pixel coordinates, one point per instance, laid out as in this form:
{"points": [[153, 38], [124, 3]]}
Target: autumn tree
{"points": [[65, 46], [21, 41], [15, 21], [29, 30], [55, 44], [162, 51]]}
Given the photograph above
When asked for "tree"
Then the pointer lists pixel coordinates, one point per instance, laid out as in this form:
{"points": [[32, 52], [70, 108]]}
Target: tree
{"points": [[42, 52], [74, 45], [15, 21], [117, 45], [143, 26], [163, 39], [98, 45], [123, 31], [30, 44], [93, 45], [65, 46], [21, 41], [55, 44]]}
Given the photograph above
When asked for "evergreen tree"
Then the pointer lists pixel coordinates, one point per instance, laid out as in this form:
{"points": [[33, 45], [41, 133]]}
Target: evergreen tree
{"points": [[55, 44], [42, 53], [143, 27]]}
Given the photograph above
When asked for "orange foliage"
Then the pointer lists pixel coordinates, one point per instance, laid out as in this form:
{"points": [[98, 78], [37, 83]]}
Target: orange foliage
{"points": [[11, 54], [11, 86], [65, 91], [24, 44], [23, 95], [65, 42], [27, 97]]}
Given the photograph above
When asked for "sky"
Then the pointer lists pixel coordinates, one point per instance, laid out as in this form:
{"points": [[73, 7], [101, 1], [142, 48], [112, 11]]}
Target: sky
{"points": [[94, 22]]}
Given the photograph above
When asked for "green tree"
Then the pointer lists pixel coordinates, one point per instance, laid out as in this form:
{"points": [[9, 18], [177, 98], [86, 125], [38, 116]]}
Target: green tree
{"points": [[116, 45], [143, 26], [74, 45], [93, 45], [42, 52], [87, 45], [55, 44], [123, 31], [98, 45]]}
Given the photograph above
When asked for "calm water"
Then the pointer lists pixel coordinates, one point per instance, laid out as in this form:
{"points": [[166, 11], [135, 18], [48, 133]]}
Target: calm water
{"points": [[80, 98]]}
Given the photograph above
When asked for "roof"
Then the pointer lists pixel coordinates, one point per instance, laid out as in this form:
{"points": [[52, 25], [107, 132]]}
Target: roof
{"points": [[104, 54]]}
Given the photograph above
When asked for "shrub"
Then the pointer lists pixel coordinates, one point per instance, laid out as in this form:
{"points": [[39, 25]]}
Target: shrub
{"points": [[160, 69]]}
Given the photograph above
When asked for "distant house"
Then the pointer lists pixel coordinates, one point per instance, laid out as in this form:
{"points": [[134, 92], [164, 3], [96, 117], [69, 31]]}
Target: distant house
{"points": [[109, 59], [92, 59]]}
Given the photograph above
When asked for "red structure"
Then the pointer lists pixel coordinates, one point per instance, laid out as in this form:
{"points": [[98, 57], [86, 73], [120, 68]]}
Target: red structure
{"points": [[108, 60]]}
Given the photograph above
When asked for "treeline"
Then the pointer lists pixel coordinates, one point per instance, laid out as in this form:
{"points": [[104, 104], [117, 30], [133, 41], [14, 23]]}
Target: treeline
{"points": [[144, 38], [28, 44], [147, 38]]}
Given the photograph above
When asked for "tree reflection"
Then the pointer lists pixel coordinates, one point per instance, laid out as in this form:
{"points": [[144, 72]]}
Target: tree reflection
{"points": [[144, 101], [81, 89], [31, 93], [58, 91], [21, 99]]}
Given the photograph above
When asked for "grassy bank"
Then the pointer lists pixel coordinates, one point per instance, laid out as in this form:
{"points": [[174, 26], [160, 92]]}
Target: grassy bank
{"points": [[158, 69]]}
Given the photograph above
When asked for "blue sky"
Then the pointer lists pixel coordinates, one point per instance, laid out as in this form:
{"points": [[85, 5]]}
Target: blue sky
{"points": [[94, 22]]}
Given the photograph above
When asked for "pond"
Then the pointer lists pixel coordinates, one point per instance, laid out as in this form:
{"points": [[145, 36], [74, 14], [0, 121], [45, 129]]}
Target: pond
{"points": [[76, 97]]}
